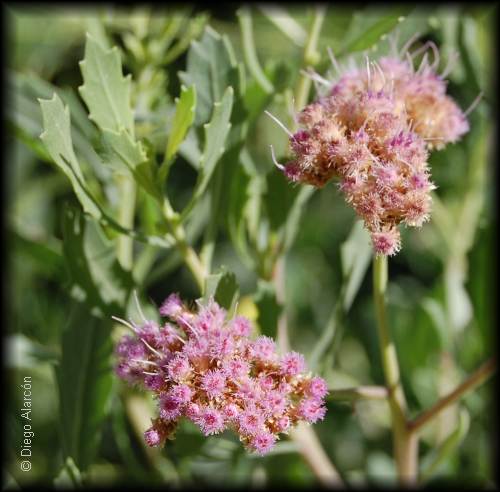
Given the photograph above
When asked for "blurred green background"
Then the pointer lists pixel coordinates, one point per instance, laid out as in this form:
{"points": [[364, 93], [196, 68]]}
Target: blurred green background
{"points": [[441, 284]]}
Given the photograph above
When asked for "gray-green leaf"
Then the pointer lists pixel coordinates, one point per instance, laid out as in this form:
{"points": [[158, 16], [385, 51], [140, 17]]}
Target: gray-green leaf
{"points": [[96, 275], [211, 67], [105, 90], [57, 139], [216, 133]]}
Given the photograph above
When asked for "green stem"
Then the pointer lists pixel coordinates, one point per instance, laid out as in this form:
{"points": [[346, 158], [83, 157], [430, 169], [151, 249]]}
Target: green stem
{"points": [[245, 19], [311, 57], [187, 253], [124, 243], [405, 444], [474, 380]]}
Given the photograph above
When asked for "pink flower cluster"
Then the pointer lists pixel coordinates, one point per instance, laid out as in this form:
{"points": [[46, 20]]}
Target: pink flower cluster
{"points": [[203, 366], [372, 131]]}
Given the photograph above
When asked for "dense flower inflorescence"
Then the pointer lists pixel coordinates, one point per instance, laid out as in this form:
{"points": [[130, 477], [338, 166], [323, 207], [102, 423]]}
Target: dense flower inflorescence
{"points": [[373, 131], [203, 366]]}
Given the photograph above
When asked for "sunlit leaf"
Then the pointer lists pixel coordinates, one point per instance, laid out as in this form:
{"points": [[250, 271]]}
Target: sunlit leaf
{"points": [[57, 139], [211, 67], [216, 133], [105, 90], [183, 119]]}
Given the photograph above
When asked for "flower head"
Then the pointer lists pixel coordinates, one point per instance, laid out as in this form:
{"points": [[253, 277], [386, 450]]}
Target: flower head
{"points": [[203, 366], [372, 132]]}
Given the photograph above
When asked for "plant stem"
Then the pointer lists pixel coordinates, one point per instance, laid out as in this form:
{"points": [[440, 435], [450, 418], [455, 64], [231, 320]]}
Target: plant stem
{"points": [[310, 58], [124, 244], [187, 253], [405, 444], [478, 377]]}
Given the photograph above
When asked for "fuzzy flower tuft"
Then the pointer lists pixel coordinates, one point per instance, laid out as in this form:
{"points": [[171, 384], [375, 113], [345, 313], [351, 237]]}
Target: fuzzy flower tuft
{"points": [[372, 131], [202, 366]]}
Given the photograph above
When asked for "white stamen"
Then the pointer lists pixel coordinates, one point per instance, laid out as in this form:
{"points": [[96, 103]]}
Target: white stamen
{"points": [[139, 307], [196, 334], [151, 348], [474, 104], [334, 60], [435, 50], [380, 71], [408, 43], [150, 373], [281, 167], [315, 77], [123, 322], [178, 337], [409, 59], [288, 132], [422, 48], [142, 361], [423, 64], [368, 73]]}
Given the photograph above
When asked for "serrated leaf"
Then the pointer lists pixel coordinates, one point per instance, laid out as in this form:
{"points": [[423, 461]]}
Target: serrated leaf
{"points": [[105, 90], [183, 119], [223, 287], [84, 380], [211, 67], [269, 308], [216, 133], [57, 139], [96, 276]]}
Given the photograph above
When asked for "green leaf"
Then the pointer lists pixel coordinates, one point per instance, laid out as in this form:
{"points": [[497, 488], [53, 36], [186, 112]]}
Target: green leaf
{"points": [[295, 214], [223, 287], [268, 307], [132, 156], [84, 380], [46, 255], [237, 182], [216, 133], [57, 139], [355, 255], [105, 90], [96, 275], [368, 27], [211, 67], [436, 457], [183, 119]]}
